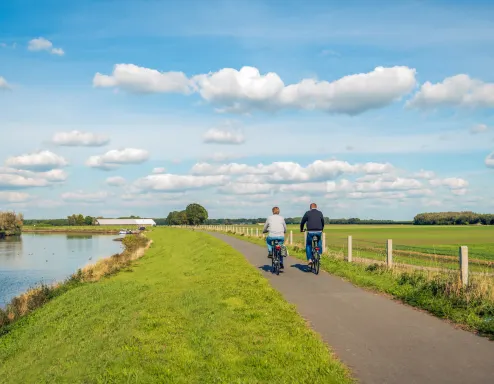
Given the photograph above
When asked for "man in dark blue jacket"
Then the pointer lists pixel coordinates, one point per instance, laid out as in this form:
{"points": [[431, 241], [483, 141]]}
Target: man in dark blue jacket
{"points": [[315, 226]]}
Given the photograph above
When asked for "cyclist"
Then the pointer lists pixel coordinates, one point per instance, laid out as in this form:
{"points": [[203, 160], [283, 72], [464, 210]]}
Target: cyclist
{"points": [[315, 225], [275, 227]]}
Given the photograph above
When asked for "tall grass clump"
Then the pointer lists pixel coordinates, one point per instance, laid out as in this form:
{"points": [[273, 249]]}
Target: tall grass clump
{"points": [[36, 297]]}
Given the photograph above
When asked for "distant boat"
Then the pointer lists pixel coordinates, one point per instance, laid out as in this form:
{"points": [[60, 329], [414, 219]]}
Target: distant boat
{"points": [[125, 232]]}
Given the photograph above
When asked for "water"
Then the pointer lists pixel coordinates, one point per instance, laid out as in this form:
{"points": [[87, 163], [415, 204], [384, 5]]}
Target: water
{"points": [[31, 259]]}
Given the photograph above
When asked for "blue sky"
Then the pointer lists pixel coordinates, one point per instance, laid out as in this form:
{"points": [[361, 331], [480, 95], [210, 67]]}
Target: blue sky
{"points": [[371, 109]]}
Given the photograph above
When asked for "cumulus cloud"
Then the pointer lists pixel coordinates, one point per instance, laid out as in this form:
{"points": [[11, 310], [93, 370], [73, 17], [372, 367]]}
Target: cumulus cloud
{"points": [[11, 178], [14, 197], [4, 84], [118, 157], [79, 139], [451, 183], [85, 197], [479, 128], [424, 175], [247, 89], [158, 170], [13, 181], [223, 136], [136, 79], [170, 182], [455, 91], [285, 172], [42, 44], [489, 160], [116, 181], [37, 161]]}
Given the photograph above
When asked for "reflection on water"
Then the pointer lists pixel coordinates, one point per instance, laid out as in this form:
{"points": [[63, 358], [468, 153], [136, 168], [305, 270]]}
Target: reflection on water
{"points": [[34, 258]]}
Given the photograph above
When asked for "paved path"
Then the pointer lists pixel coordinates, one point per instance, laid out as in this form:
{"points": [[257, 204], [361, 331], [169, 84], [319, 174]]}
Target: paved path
{"points": [[382, 341]]}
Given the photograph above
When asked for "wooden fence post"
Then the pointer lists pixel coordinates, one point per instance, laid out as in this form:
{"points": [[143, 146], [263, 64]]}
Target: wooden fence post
{"points": [[464, 265], [257, 232], [350, 249], [323, 242], [291, 237], [389, 253]]}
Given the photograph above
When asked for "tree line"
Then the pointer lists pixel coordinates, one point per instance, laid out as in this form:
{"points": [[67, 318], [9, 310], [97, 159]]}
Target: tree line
{"points": [[11, 223], [193, 214], [453, 218]]}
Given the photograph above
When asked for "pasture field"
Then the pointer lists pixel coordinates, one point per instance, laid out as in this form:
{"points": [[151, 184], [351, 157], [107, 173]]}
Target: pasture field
{"points": [[434, 246]]}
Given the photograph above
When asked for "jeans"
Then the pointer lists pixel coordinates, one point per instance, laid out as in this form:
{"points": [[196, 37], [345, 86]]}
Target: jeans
{"points": [[308, 244], [270, 247]]}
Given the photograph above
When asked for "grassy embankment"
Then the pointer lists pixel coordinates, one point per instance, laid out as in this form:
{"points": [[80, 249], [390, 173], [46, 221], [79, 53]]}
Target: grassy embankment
{"points": [[439, 293], [190, 311], [110, 229], [428, 246]]}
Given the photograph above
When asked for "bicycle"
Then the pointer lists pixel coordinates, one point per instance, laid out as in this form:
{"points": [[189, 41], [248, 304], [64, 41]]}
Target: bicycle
{"points": [[276, 260], [316, 257]]}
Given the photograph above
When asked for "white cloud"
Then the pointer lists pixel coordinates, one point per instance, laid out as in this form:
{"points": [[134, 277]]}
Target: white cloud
{"points": [[489, 160], [42, 44], [58, 51], [117, 157], [158, 170], [55, 175], [424, 174], [80, 139], [170, 182], [116, 181], [151, 197], [285, 172], [479, 128], [451, 183], [238, 188], [218, 136], [12, 181], [37, 161], [14, 197], [4, 84], [136, 79], [459, 192], [246, 89], [85, 197], [455, 91]]}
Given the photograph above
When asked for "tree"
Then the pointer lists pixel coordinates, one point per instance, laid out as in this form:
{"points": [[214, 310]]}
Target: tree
{"points": [[88, 220], [80, 220], [196, 214], [182, 218]]}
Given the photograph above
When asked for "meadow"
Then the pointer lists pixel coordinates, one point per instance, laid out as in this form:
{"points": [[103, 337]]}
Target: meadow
{"points": [[428, 246]]}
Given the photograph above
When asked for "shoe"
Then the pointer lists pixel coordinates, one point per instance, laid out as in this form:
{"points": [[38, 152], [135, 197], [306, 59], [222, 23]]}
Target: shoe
{"points": [[270, 255], [282, 266], [310, 262]]}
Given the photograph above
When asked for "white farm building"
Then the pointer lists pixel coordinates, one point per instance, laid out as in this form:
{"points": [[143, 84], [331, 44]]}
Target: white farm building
{"points": [[127, 222]]}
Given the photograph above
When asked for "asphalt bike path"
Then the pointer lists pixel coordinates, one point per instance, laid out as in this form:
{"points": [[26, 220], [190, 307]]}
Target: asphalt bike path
{"points": [[380, 340]]}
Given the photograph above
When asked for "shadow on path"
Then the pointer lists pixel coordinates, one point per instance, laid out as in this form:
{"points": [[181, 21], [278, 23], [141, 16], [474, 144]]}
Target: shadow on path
{"points": [[301, 267]]}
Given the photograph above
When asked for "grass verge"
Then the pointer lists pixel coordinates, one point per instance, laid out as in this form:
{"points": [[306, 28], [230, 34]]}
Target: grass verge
{"points": [[441, 294], [38, 296], [191, 311]]}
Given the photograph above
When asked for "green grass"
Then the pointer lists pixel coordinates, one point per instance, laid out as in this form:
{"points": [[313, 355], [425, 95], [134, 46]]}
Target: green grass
{"points": [[192, 310], [439, 294]]}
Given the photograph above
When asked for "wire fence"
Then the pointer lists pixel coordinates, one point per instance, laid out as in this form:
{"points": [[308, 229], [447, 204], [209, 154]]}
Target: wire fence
{"points": [[444, 258]]}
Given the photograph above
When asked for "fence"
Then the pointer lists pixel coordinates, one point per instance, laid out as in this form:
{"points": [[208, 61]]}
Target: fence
{"points": [[347, 253]]}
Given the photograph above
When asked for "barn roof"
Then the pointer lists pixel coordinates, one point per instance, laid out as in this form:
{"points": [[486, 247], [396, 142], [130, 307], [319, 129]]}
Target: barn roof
{"points": [[126, 222]]}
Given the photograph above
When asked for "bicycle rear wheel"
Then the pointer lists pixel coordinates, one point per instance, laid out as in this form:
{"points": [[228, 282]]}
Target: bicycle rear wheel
{"points": [[316, 264]]}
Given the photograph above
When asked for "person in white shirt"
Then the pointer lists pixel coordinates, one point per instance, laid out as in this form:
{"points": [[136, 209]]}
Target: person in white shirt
{"points": [[275, 227]]}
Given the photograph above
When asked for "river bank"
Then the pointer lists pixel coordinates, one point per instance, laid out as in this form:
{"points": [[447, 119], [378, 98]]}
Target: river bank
{"points": [[86, 229], [25, 303]]}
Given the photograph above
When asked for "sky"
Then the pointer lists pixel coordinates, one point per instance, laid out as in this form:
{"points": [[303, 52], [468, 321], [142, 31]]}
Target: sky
{"points": [[370, 109]]}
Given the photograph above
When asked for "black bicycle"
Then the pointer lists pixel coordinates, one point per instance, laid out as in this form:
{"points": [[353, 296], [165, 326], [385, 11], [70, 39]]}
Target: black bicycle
{"points": [[316, 257], [314, 267], [276, 260]]}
